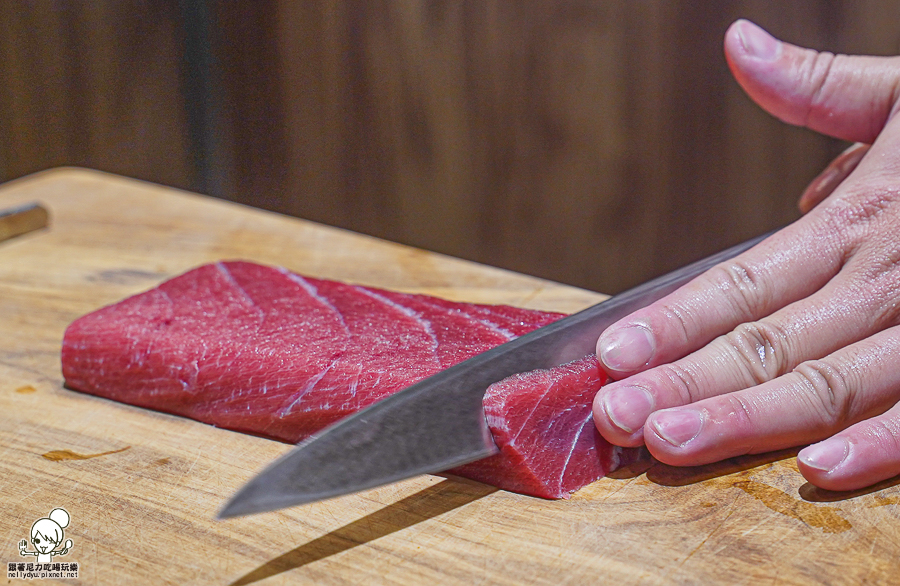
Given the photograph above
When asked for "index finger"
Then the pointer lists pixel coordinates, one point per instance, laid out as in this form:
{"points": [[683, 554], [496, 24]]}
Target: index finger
{"points": [[746, 288]]}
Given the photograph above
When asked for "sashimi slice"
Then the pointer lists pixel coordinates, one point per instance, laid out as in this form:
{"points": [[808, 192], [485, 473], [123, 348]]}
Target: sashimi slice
{"points": [[265, 351], [542, 422]]}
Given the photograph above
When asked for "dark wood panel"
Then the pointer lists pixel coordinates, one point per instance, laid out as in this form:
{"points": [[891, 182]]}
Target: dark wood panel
{"points": [[592, 142], [96, 84], [532, 135]]}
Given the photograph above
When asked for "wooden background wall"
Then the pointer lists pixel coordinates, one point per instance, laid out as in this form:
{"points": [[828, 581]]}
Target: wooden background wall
{"points": [[592, 142]]}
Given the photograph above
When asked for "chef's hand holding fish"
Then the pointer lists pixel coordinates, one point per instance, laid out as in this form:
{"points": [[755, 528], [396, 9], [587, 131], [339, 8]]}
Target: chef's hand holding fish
{"points": [[796, 341]]}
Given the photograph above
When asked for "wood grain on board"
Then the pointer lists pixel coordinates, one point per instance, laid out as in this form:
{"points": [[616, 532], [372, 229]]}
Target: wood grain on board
{"points": [[142, 488]]}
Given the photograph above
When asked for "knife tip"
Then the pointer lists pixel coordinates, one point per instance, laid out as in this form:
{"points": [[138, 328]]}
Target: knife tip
{"points": [[228, 511], [243, 504], [239, 508], [255, 498]]}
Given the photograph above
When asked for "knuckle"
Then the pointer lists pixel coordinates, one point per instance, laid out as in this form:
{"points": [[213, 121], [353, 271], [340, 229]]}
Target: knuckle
{"points": [[674, 314], [819, 82], [884, 434], [761, 348], [828, 390], [741, 421], [743, 285], [682, 380]]}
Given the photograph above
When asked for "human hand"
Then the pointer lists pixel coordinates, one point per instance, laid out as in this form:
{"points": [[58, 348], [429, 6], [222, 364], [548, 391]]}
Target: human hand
{"points": [[798, 339]]}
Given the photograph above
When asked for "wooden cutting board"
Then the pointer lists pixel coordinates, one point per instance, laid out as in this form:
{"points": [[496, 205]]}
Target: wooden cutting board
{"points": [[142, 488]]}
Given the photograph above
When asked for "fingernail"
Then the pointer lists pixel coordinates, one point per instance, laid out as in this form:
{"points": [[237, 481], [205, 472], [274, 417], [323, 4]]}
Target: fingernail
{"points": [[852, 157], [825, 455], [628, 407], [627, 348], [826, 180], [757, 42], [678, 426]]}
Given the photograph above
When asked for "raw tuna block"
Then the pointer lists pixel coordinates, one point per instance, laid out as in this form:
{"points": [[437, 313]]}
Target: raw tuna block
{"points": [[265, 351]]}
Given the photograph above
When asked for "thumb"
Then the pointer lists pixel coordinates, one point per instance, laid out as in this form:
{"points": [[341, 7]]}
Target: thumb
{"points": [[846, 97]]}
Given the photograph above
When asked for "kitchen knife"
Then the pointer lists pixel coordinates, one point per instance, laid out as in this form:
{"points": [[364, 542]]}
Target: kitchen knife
{"points": [[439, 423]]}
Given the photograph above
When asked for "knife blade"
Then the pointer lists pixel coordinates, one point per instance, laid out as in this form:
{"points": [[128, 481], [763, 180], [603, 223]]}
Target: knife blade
{"points": [[439, 423]]}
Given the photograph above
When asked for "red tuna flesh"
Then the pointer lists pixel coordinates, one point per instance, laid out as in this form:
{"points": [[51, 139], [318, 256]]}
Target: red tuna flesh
{"points": [[542, 422], [269, 352]]}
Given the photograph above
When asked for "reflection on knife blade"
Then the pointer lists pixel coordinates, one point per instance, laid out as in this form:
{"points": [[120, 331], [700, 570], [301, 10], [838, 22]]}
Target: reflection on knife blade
{"points": [[21, 220], [438, 423]]}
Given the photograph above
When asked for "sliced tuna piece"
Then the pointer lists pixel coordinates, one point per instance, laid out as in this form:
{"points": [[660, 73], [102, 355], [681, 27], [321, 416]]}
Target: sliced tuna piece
{"points": [[265, 351], [542, 422]]}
